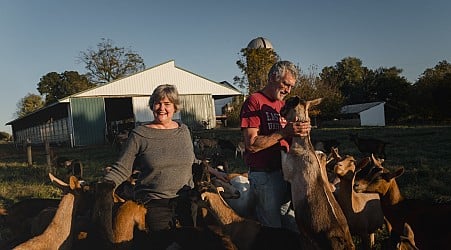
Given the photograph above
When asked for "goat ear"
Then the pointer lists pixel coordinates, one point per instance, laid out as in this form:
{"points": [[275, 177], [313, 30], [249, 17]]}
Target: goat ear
{"points": [[363, 163], [293, 101], [408, 232], [73, 182], [57, 181], [398, 172], [335, 154], [315, 102], [117, 198]]}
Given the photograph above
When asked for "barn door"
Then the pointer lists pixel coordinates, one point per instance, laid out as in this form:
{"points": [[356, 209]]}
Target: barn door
{"points": [[88, 119]]}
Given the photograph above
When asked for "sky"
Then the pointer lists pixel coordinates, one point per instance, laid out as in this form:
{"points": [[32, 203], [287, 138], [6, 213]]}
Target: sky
{"points": [[205, 36]]}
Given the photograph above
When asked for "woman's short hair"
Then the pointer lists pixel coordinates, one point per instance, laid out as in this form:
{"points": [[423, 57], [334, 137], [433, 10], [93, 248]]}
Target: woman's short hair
{"points": [[279, 68], [165, 90]]}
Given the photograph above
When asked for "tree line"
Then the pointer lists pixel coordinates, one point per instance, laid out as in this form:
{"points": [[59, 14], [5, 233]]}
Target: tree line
{"points": [[425, 101], [347, 82]]}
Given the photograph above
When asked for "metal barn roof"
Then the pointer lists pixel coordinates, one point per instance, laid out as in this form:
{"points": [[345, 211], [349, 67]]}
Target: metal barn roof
{"points": [[358, 108], [144, 82]]}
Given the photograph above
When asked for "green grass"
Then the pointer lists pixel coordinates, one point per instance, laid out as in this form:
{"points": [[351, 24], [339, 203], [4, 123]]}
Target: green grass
{"points": [[424, 152]]}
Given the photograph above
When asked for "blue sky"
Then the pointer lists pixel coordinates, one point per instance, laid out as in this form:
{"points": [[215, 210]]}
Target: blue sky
{"points": [[205, 37]]}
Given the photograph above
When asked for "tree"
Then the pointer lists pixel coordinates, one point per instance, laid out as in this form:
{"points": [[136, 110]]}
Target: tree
{"points": [[386, 84], [431, 95], [29, 104], [255, 65], [56, 86], [4, 136], [109, 62], [348, 76], [311, 86]]}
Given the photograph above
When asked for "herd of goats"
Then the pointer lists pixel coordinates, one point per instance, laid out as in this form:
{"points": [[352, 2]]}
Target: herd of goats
{"points": [[336, 202]]}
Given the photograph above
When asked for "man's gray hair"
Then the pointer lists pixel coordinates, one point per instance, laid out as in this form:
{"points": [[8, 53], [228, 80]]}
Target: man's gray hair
{"points": [[279, 68]]}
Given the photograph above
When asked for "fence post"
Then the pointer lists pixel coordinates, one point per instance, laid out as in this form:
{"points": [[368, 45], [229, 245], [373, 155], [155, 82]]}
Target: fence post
{"points": [[29, 155], [48, 156]]}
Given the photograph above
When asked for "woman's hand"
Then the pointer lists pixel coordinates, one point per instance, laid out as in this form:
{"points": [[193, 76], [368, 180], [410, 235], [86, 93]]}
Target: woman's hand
{"points": [[220, 175]]}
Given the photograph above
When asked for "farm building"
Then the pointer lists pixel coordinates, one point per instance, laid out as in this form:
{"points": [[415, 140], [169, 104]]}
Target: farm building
{"points": [[364, 114], [98, 115]]}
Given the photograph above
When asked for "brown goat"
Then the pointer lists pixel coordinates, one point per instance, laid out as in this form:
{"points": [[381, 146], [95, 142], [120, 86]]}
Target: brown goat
{"points": [[20, 215], [245, 233], [430, 221], [128, 215], [363, 211], [70, 166], [407, 240], [203, 143], [59, 230], [318, 214], [369, 145]]}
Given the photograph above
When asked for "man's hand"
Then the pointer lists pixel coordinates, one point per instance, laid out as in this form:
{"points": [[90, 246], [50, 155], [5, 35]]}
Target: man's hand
{"points": [[297, 129]]}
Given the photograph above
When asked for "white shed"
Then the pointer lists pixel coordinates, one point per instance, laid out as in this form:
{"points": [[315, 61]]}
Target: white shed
{"points": [[368, 114]]}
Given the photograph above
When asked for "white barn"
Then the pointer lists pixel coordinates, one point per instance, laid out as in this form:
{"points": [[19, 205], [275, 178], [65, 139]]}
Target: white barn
{"points": [[366, 114], [93, 116]]}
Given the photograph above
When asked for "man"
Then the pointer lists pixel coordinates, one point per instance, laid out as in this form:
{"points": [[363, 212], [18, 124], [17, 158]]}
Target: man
{"points": [[265, 134]]}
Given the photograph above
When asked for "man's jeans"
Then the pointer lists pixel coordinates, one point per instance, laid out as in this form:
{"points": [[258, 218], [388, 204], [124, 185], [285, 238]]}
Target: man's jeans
{"points": [[272, 199]]}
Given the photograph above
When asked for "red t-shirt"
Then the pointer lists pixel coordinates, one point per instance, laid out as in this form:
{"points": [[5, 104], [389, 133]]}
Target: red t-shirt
{"points": [[260, 112]]}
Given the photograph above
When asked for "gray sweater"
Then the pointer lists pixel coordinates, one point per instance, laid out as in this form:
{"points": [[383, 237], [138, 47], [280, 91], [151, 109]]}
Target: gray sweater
{"points": [[164, 157]]}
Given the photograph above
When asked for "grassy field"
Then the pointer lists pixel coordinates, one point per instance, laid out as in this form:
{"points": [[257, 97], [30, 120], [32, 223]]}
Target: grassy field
{"points": [[424, 152]]}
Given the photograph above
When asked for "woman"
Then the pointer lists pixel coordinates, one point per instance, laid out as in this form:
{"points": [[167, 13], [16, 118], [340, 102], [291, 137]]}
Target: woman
{"points": [[164, 150]]}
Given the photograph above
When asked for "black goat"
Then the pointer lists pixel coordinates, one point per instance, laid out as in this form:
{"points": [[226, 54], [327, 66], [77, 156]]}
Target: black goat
{"points": [[369, 145]]}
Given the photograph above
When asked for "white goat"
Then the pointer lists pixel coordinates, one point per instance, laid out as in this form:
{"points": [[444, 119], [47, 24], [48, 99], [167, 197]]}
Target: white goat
{"points": [[240, 148], [244, 205]]}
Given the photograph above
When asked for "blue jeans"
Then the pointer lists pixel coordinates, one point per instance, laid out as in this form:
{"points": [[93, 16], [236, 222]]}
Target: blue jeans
{"points": [[271, 195]]}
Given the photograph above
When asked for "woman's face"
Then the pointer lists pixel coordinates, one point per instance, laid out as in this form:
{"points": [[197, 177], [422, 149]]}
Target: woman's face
{"points": [[163, 111]]}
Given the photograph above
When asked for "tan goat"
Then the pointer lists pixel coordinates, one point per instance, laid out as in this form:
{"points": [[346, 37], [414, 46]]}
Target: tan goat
{"points": [[363, 211], [59, 230], [317, 213], [128, 215], [407, 240], [246, 233], [430, 221]]}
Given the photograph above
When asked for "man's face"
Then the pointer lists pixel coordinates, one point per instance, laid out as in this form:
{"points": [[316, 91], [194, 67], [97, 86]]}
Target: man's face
{"points": [[284, 86]]}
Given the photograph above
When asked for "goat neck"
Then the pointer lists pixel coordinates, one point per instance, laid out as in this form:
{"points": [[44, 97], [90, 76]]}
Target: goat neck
{"points": [[241, 231], [393, 195], [59, 232], [222, 212], [317, 213]]}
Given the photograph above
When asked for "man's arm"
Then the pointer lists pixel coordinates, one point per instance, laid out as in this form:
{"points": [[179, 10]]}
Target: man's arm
{"points": [[255, 142]]}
